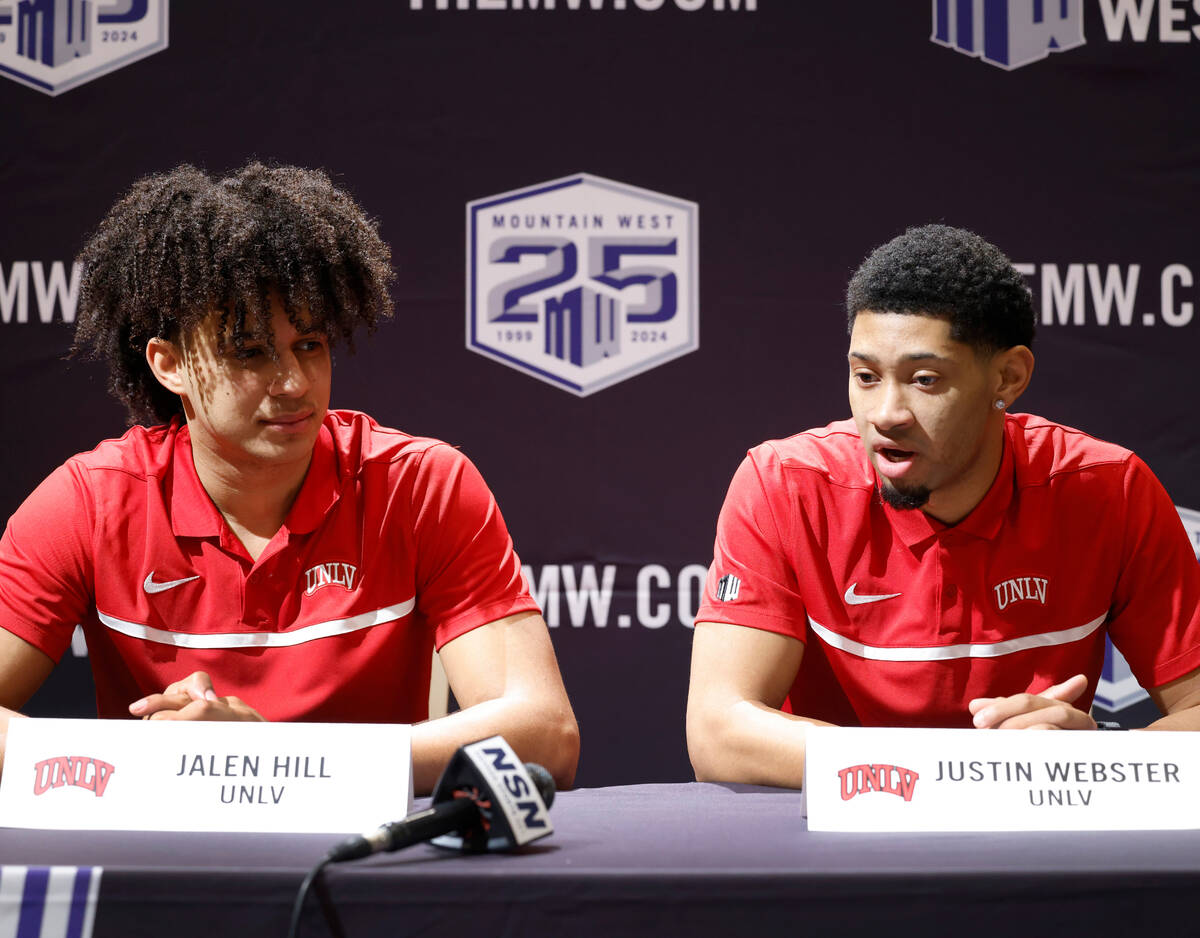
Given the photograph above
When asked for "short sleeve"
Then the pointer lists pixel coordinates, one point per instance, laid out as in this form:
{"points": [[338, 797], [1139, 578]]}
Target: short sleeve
{"points": [[752, 580], [1155, 616], [45, 563], [467, 573]]}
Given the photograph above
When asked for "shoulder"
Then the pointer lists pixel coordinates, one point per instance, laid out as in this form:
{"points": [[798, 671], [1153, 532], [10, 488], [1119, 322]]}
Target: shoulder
{"points": [[141, 453], [360, 441], [1045, 451], [832, 454]]}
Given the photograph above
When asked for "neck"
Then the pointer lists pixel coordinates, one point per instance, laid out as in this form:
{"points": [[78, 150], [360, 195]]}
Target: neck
{"points": [[254, 499], [951, 503]]}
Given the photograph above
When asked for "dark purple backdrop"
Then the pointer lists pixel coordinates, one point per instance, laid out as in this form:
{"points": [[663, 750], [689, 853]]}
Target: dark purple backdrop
{"points": [[807, 132]]}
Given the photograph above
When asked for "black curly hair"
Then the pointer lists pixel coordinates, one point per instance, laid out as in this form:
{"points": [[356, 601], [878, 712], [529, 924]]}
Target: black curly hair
{"points": [[951, 273], [182, 245]]}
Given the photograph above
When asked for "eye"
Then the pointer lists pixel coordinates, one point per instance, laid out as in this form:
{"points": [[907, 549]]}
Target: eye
{"points": [[925, 381], [247, 353], [311, 345], [865, 379]]}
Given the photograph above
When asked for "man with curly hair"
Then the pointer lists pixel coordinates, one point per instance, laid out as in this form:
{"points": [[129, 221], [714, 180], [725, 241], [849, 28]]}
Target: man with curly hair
{"points": [[936, 560], [244, 552]]}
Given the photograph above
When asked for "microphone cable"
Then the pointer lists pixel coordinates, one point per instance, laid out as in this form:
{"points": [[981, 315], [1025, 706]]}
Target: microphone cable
{"points": [[327, 908]]}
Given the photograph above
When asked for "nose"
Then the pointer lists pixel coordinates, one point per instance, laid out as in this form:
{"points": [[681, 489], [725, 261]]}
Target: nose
{"points": [[890, 408], [289, 379]]}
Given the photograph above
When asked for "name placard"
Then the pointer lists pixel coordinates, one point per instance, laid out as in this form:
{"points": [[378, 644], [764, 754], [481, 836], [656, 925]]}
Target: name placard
{"points": [[866, 779], [334, 778]]}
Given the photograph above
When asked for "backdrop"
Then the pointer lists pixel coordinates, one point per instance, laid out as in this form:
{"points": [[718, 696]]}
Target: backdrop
{"points": [[623, 229]]}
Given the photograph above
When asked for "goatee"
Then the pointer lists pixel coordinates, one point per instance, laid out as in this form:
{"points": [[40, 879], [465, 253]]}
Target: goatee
{"points": [[904, 499]]}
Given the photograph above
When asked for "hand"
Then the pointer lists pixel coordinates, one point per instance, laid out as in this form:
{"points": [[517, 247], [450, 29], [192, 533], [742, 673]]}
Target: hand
{"points": [[1049, 710], [193, 698]]}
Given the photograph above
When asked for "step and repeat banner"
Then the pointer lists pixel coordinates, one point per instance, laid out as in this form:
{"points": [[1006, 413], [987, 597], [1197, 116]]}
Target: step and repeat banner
{"points": [[623, 229]]}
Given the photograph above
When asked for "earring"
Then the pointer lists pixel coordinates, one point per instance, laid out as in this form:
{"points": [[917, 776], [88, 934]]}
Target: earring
{"points": [[999, 405]]}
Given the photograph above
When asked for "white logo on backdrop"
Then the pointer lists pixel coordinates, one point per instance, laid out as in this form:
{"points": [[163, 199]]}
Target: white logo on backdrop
{"points": [[57, 45], [582, 282]]}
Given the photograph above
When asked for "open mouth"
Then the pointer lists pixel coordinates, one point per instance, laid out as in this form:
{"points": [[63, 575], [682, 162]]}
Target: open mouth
{"points": [[892, 454]]}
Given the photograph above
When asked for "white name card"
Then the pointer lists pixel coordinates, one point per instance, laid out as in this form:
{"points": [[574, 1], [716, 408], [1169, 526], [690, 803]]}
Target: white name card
{"points": [[333, 778], [1000, 780]]}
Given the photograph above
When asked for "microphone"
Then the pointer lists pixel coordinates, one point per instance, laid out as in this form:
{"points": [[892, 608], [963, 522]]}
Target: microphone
{"points": [[486, 799]]}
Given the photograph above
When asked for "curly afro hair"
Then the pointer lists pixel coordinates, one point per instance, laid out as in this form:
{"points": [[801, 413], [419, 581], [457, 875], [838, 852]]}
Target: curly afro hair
{"points": [[950, 273], [182, 245]]}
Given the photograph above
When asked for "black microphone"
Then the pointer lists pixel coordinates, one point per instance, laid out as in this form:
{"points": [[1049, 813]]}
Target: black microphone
{"points": [[482, 802]]}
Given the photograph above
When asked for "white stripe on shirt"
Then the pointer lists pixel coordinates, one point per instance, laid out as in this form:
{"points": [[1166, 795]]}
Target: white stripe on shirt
{"points": [[948, 652], [307, 633]]}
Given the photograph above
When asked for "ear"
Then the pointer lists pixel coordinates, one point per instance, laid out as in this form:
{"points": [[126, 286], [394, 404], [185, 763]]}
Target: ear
{"points": [[1014, 369], [166, 362]]}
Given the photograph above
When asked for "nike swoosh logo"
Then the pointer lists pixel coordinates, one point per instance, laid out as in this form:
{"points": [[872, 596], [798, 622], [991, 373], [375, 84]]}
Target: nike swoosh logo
{"points": [[853, 599], [151, 587]]}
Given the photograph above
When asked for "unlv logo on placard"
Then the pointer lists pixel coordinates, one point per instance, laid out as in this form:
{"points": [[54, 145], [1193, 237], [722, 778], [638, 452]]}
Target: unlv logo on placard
{"points": [[56, 45], [582, 282], [77, 771], [892, 779]]}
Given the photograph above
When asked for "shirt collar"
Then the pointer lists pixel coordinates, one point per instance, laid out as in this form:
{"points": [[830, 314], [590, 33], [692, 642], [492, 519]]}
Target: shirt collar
{"points": [[985, 519], [320, 490], [193, 513]]}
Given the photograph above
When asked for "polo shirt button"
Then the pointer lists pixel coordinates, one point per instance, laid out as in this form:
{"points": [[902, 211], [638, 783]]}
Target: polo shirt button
{"points": [[263, 620], [950, 593]]}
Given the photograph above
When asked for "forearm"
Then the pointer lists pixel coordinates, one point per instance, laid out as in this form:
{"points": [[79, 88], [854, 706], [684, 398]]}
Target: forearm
{"points": [[1187, 719], [538, 731], [747, 741], [5, 716]]}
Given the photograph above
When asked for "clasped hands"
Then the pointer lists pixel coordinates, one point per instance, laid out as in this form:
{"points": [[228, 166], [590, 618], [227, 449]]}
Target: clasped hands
{"points": [[1050, 710], [193, 698]]}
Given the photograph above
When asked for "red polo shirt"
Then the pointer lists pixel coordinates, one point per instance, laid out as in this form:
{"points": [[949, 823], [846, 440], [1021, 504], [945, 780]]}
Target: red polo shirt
{"points": [[394, 543], [905, 619]]}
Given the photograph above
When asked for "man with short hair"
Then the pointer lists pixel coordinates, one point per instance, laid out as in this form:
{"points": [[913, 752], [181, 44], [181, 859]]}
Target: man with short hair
{"points": [[244, 552], [937, 560]]}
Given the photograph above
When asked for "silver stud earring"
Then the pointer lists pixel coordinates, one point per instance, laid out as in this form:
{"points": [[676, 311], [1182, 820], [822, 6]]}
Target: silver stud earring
{"points": [[999, 405]]}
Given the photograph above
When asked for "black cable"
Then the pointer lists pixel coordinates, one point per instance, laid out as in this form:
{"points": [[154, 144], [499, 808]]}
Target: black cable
{"points": [[331, 918]]}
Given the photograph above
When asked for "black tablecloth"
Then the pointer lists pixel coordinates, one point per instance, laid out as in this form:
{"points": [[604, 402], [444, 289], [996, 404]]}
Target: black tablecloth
{"points": [[649, 860]]}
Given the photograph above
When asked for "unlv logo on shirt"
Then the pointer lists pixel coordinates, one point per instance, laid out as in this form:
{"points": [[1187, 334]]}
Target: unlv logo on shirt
{"points": [[892, 779], [78, 771], [330, 574], [1019, 588]]}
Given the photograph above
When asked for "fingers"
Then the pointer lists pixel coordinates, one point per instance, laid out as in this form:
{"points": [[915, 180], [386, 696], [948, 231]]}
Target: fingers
{"points": [[223, 708], [1069, 690], [156, 703], [197, 686], [979, 703], [1027, 711], [1055, 716]]}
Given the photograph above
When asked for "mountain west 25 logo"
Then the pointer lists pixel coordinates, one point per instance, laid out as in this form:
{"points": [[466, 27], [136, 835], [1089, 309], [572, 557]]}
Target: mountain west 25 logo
{"points": [[1008, 33], [582, 282], [1012, 33], [57, 45]]}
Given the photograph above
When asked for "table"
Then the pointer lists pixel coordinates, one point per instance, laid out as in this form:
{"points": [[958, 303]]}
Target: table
{"points": [[649, 860]]}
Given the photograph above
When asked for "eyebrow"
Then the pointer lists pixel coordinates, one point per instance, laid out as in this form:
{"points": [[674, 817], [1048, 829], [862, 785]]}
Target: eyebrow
{"points": [[911, 357]]}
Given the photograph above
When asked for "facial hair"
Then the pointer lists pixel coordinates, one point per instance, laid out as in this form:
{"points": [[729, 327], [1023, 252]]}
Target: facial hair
{"points": [[904, 499]]}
